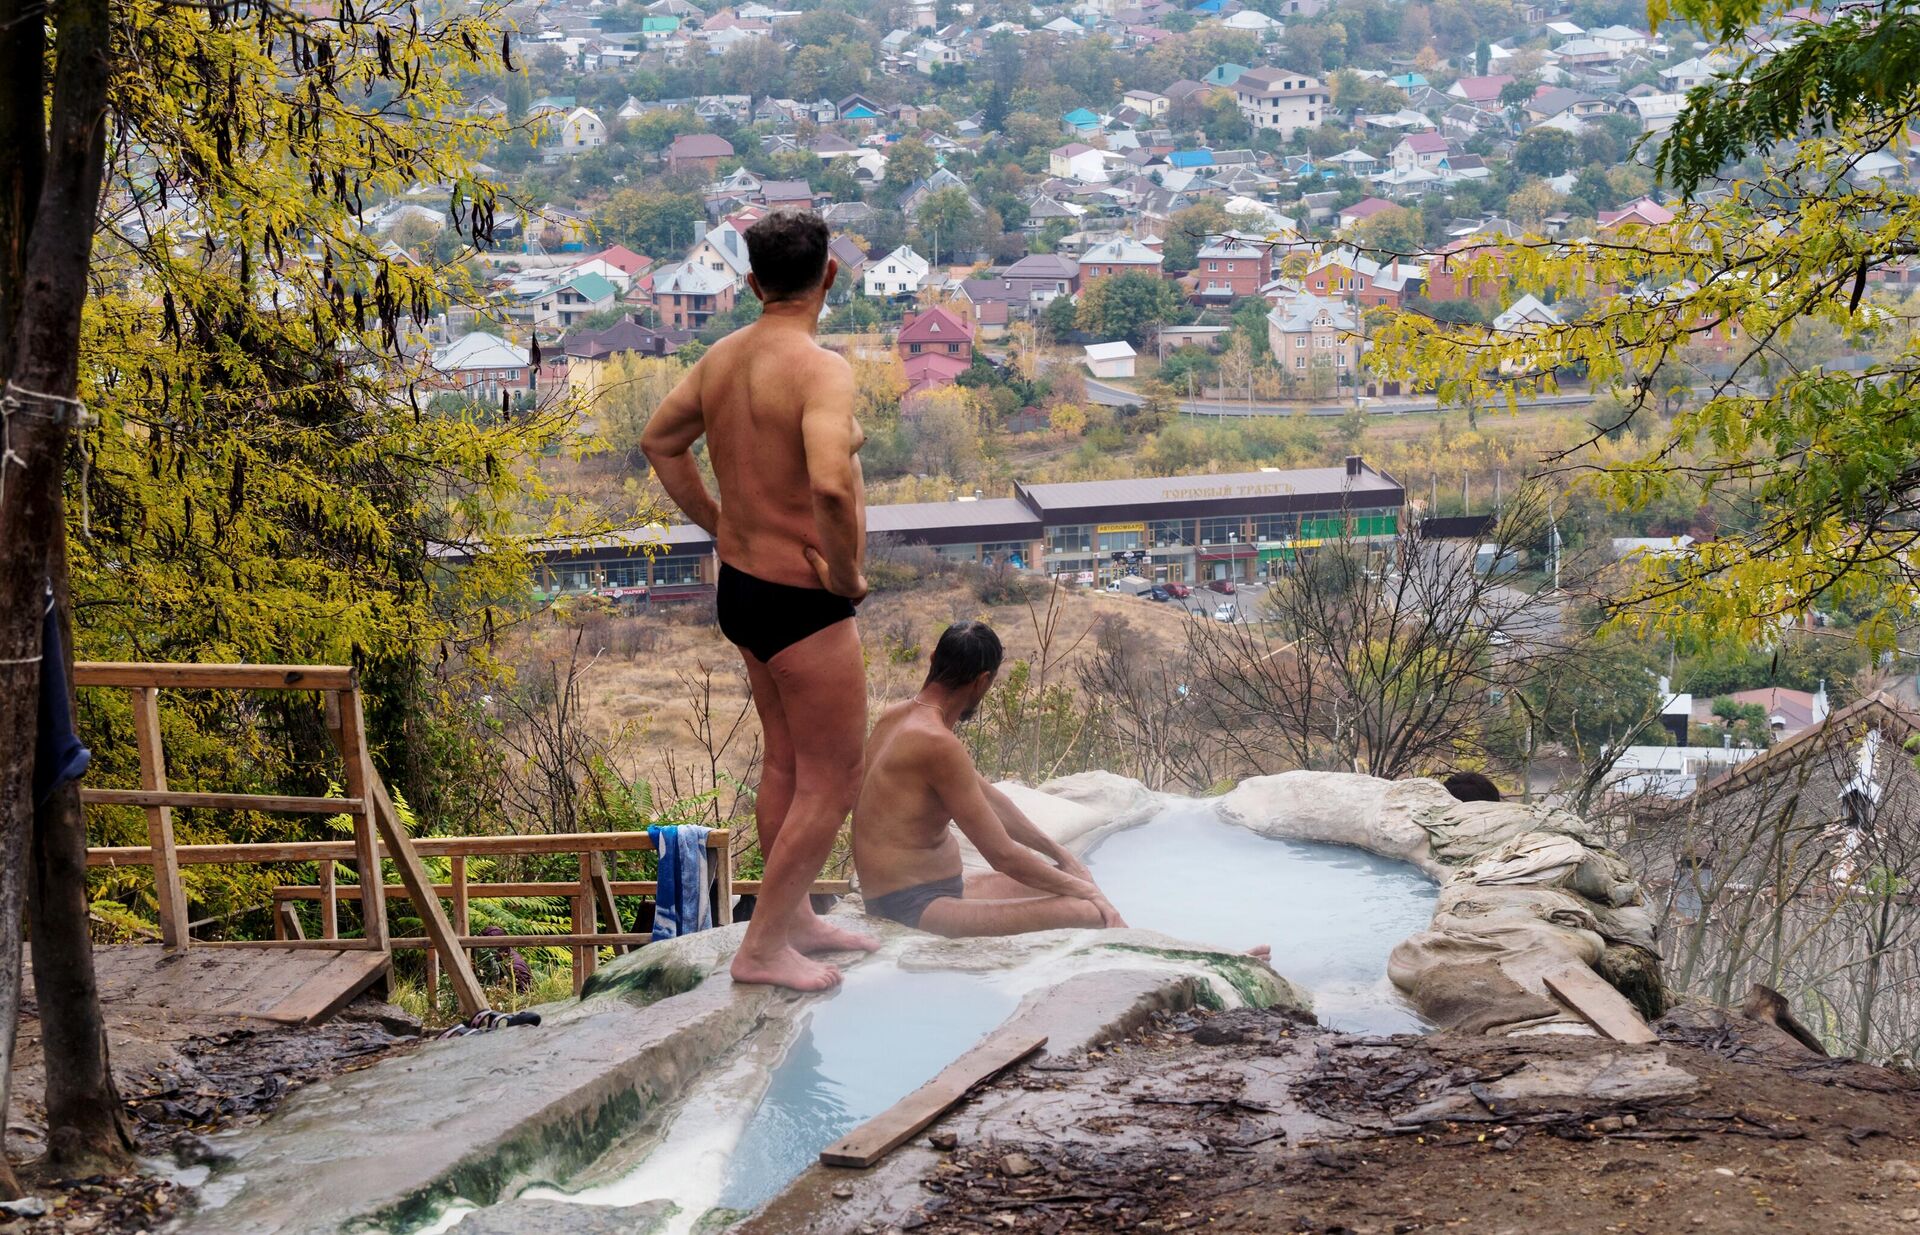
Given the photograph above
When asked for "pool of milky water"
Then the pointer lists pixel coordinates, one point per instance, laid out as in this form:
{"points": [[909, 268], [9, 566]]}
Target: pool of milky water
{"points": [[883, 1034], [1331, 913]]}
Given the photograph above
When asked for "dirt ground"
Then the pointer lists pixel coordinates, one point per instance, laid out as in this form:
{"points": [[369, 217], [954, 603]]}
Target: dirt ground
{"points": [[1246, 1122], [181, 1080]]}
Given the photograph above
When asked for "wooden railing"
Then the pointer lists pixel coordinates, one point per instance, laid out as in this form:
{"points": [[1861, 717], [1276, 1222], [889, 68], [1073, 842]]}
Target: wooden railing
{"points": [[377, 835]]}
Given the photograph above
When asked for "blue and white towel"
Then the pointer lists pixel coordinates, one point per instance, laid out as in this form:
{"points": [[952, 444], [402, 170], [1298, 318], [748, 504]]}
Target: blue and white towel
{"points": [[680, 905]]}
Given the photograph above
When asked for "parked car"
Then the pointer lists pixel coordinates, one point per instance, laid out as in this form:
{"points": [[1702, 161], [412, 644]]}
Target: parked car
{"points": [[1223, 586], [1179, 591], [1159, 593], [1225, 613]]}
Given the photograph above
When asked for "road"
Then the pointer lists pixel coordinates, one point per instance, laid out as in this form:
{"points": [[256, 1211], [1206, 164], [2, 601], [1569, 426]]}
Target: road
{"points": [[1116, 396]]}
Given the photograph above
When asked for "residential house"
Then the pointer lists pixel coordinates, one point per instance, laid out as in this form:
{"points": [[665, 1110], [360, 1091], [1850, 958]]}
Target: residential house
{"points": [[1526, 316], [688, 295], [1468, 268], [1281, 100], [1347, 274], [1051, 274], [1316, 340], [1363, 210], [1081, 120], [1225, 76], [786, 194], [1482, 92], [1693, 71], [859, 110], [580, 130], [1079, 161], [482, 365], [852, 263], [1227, 268], [577, 297], [1557, 105], [589, 353], [1421, 152], [1117, 256], [1147, 103], [1656, 112], [557, 230], [723, 251], [698, 151], [1642, 213], [1788, 712], [899, 273], [935, 347]]}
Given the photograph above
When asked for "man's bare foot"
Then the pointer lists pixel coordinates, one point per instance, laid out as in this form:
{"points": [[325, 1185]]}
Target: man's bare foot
{"points": [[813, 933], [785, 968], [1261, 951]]}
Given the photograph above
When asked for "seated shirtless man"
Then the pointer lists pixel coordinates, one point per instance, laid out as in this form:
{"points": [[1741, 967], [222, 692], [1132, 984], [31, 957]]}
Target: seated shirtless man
{"points": [[918, 777], [790, 521]]}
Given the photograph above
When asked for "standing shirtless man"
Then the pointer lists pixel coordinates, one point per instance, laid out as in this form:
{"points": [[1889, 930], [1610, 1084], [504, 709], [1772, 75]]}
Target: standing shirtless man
{"points": [[919, 775], [777, 412]]}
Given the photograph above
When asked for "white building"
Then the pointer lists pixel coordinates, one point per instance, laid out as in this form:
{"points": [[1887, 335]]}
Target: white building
{"points": [[1110, 359], [1281, 100], [899, 273], [581, 130]]}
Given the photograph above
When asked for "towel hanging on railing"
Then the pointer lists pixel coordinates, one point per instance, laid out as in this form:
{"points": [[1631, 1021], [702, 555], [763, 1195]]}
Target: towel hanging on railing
{"points": [[680, 905]]}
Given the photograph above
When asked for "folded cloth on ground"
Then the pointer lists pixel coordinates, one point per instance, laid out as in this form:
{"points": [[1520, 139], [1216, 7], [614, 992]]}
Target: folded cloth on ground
{"points": [[680, 905]]}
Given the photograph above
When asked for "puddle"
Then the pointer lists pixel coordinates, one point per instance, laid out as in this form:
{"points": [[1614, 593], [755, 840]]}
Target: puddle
{"points": [[1331, 913], [886, 1032]]}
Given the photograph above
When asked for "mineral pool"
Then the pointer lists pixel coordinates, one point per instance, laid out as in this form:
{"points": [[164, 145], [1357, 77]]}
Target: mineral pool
{"points": [[1331, 913]]}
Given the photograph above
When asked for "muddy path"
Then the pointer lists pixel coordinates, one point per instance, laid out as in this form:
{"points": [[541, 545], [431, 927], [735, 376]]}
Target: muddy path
{"points": [[1246, 1122]]}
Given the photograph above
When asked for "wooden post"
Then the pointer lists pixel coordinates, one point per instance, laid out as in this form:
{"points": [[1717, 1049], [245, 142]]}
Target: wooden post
{"points": [[723, 873], [329, 901], [420, 890], [585, 922], [460, 923], [286, 922], [153, 775], [352, 738]]}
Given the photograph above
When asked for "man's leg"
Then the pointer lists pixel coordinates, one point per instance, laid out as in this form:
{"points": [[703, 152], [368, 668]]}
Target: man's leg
{"points": [[994, 886], [819, 682], [958, 918]]}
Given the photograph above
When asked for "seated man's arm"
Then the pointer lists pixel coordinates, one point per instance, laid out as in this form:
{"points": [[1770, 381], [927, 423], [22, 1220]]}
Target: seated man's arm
{"points": [[1021, 829], [833, 473], [952, 775], [668, 444]]}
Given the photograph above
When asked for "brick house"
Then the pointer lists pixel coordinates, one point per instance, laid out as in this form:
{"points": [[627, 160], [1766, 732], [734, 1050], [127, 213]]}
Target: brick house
{"points": [[1227, 268], [935, 346], [689, 294], [699, 151]]}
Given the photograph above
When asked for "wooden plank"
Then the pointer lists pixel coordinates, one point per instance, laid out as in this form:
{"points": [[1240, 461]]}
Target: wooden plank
{"points": [[724, 887], [170, 896], [603, 895], [332, 988], [426, 847], [1598, 1004], [556, 888], [160, 796], [466, 987], [144, 675], [351, 737], [286, 922], [896, 1125]]}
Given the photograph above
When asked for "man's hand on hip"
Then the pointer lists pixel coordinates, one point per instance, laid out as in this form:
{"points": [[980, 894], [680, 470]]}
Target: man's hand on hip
{"points": [[854, 589]]}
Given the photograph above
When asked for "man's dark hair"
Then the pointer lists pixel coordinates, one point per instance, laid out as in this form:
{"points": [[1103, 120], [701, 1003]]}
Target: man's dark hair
{"points": [[965, 651], [1472, 787], [788, 249]]}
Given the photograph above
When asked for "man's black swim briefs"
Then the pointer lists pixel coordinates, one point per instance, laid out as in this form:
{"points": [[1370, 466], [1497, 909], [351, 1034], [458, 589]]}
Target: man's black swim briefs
{"points": [[768, 618]]}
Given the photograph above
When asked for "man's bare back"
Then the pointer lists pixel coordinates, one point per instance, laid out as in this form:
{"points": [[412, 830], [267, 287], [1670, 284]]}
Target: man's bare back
{"points": [[754, 388]]}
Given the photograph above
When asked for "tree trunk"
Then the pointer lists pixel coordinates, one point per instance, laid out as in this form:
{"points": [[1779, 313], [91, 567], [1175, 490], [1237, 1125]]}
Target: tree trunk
{"points": [[23, 137], [86, 1127], [48, 237]]}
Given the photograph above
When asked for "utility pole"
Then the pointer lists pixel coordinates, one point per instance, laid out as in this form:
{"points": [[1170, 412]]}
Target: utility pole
{"points": [[1466, 492]]}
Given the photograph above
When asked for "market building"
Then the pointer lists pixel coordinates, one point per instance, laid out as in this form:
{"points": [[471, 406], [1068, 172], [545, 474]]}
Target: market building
{"points": [[1244, 526]]}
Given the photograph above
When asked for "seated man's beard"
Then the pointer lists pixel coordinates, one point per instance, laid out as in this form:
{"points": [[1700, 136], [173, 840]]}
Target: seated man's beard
{"points": [[968, 714]]}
